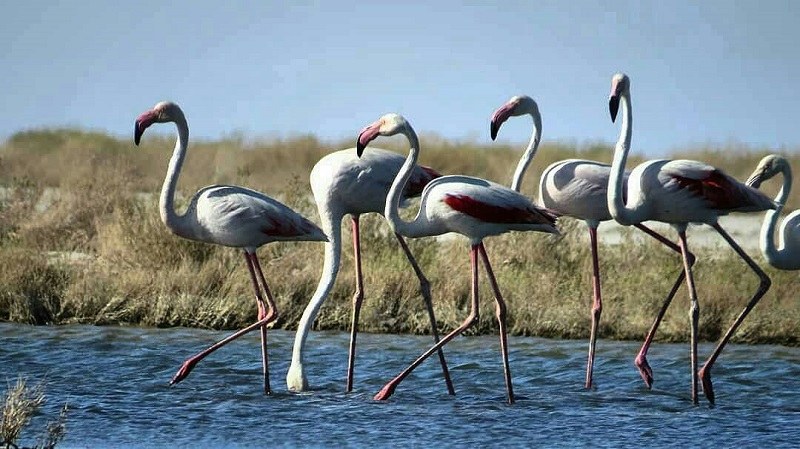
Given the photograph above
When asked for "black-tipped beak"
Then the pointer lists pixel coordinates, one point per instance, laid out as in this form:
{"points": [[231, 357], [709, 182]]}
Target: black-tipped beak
{"points": [[367, 135], [499, 117], [142, 123], [613, 106], [756, 179], [494, 127], [137, 133]]}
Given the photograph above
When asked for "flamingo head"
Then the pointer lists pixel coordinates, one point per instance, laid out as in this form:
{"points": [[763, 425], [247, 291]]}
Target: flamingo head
{"points": [[388, 125], [165, 111], [620, 84], [767, 167], [517, 105]]}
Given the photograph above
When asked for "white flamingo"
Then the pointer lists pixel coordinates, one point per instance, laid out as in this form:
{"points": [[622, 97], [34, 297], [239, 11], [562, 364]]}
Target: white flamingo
{"points": [[229, 216], [680, 192], [344, 184], [472, 207], [786, 254], [577, 188]]}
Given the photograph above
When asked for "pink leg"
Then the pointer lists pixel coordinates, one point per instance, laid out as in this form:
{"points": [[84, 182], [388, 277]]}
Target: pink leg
{"points": [[389, 388], [501, 319], [273, 311], [270, 316], [705, 372], [641, 359], [358, 299], [597, 307], [694, 312], [425, 288]]}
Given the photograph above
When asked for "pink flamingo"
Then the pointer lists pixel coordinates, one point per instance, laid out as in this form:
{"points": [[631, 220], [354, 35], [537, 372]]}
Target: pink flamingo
{"points": [[577, 188], [472, 207], [229, 216], [345, 184], [786, 254], [680, 192]]}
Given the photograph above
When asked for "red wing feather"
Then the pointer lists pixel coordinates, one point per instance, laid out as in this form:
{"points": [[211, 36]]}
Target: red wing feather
{"points": [[717, 188], [491, 213]]}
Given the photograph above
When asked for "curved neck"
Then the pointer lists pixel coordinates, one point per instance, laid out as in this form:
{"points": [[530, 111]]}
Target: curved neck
{"points": [[393, 199], [332, 225], [166, 203], [769, 249], [527, 156], [616, 204]]}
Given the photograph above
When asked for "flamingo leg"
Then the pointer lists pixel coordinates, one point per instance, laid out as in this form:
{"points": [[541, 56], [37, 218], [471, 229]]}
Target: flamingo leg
{"points": [[641, 358], [358, 299], [765, 282], [425, 289], [272, 310], [694, 312], [597, 306], [190, 363], [390, 386], [501, 319]]}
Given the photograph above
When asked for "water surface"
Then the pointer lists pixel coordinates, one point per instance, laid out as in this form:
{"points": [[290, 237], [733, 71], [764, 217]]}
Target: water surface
{"points": [[115, 380]]}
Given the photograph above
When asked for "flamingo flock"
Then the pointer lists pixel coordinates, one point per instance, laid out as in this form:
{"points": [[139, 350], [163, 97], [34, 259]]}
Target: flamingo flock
{"points": [[364, 179]]}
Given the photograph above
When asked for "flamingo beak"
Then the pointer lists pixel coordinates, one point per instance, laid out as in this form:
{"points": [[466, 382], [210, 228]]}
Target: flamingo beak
{"points": [[500, 116], [756, 179], [613, 106], [367, 135], [142, 123]]}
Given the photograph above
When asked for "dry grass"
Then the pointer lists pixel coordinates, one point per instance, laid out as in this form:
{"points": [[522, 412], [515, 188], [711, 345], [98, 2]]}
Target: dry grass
{"points": [[81, 241], [20, 404]]}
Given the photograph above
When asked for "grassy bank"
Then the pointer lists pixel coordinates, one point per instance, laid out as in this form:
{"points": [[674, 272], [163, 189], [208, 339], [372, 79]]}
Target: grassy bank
{"points": [[81, 242]]}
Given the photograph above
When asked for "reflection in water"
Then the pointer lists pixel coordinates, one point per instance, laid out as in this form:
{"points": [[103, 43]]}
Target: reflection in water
{"points": [[116, 382]]}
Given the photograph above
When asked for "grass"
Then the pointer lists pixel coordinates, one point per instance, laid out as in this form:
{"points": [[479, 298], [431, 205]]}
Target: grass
{"points": [[81, 242], [20, 404]]}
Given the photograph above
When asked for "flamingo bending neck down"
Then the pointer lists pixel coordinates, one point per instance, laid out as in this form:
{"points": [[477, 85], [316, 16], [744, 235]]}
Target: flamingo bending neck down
{"points": [[472, 207], [577, 188], [345, 184], [786, 254], [680, 192], [229, 216]]}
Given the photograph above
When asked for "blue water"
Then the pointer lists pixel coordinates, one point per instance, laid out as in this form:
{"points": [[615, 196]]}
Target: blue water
{"points": [[115, 381]]}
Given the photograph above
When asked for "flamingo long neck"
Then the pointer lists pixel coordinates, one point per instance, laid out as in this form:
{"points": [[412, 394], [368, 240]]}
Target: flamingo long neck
{"points": [[416, 227], [527, 156], [616, 204], [775, 254], [332, 225], [166, 204]]}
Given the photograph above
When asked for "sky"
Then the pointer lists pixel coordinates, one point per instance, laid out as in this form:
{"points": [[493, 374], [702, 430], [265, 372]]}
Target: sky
{"points": [[702, 73]]}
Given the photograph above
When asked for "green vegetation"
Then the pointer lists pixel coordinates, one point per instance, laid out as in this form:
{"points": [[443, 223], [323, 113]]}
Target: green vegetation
{"points": [[81, 242], [20, 404]]}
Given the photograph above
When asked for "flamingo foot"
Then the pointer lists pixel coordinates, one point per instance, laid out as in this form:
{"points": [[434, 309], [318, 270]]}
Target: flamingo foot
{"points": [[644, 370], [184, 371], [385, 392], [708, 388]]}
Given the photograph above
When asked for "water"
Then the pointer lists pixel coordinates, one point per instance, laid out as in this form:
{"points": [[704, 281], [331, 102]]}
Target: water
{"points": [[116, 383]]}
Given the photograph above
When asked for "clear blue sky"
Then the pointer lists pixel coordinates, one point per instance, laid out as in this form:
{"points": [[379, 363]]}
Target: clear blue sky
{"points": [[702, 71]]}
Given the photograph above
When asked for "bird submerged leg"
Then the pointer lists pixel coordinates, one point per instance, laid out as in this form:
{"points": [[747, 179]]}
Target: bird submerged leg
{"points": [[501, 319], [263, 311], [389, 388], [271, 315], [597, 306], [425, 289], [694, 311], [765, 282], [358, 299], [641, 359]]}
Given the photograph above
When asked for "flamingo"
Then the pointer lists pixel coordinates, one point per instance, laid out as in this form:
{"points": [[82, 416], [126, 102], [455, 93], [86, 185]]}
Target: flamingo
{"points": [[786, 255], [680, 192], [472, 207], [577, 188], [345, 184], [230, 216]]}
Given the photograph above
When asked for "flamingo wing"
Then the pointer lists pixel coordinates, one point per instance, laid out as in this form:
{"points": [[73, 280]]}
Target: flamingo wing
{"points": [[492, 203], [719, 190]]}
